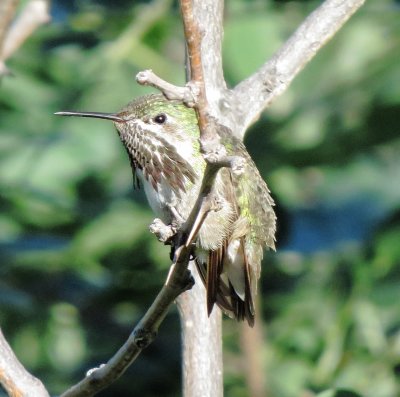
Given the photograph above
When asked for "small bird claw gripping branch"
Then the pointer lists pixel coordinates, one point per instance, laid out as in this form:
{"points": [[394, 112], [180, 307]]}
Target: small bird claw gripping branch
{"points": [[162, 231]]}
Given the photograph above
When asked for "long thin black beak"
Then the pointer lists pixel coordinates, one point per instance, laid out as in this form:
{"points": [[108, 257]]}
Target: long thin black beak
{"points": [[97, 115]]}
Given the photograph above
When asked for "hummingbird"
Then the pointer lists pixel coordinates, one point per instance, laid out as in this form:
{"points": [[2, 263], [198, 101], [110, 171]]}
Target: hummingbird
{"points": [[161, 138]]}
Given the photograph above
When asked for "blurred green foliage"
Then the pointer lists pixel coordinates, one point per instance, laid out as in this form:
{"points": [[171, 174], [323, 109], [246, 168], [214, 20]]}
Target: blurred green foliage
{"points": [[78, 267]]}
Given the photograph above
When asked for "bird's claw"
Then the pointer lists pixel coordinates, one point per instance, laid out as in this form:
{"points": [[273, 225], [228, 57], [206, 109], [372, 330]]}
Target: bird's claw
{"points": [[162, 231]]}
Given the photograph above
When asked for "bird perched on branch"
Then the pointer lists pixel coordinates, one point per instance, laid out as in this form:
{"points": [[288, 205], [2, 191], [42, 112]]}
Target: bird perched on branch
{"points": [[161, 138]]}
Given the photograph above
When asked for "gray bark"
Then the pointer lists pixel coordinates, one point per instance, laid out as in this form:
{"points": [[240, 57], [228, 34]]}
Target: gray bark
{"points": [[201, 344], [14, 378]]}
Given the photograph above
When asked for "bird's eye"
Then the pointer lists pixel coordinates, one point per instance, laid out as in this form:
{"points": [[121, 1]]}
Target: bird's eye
{"points": [[160, 118]]}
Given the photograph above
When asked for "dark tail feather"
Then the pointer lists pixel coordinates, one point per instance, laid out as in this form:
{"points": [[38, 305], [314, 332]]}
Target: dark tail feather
{"points": [[242, 310], [249, 304], [224, 295], [214, 269]]}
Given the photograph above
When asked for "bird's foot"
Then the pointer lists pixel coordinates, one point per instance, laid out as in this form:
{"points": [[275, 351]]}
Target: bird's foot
{"points": [[163, 232]]}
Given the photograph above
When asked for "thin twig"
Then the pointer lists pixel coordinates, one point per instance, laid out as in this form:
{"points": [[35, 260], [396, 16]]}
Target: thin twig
{"points": [[144, 333], [7, 12], [8, 9], [202, 335], [32, 16], [193, 41], [208, 16], [188, 94]]}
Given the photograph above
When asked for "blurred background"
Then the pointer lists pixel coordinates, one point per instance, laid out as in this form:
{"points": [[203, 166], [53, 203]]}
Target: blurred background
{"points": [[78, 267]]}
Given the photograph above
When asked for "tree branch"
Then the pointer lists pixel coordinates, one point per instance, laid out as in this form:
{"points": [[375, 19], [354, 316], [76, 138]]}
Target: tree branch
{"points": [[201, 341], [254, 94], [14, 378], [193, 44], [202, 364], [8, 9], [187, 94], [178, 280], [7, 12], [34, 14]]}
